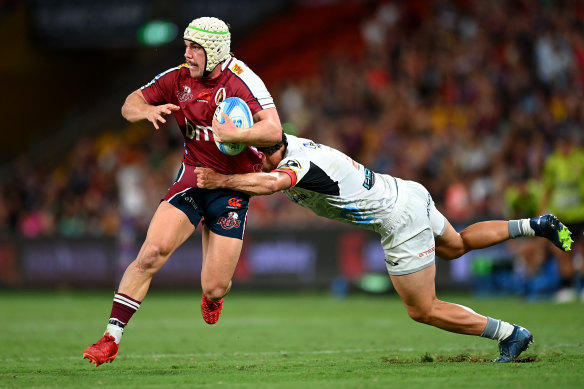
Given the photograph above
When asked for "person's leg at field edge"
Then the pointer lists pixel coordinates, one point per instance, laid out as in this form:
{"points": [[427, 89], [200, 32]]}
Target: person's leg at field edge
{"points": [[418, 293], [452, 245], [220, 257], [168, 229]]}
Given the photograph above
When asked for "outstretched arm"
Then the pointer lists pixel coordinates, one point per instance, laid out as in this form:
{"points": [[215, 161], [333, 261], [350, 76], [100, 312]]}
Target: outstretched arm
{"points": [[136, 108], [254, 184]]}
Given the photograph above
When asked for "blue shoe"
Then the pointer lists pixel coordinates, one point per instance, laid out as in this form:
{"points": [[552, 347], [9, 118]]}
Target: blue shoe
{"points": [[514, 345], [551, 228]]}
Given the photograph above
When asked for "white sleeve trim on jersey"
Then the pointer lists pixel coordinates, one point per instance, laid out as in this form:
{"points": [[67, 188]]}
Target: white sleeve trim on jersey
{"points": [[227, 63], [160, 75], [255, 84]]}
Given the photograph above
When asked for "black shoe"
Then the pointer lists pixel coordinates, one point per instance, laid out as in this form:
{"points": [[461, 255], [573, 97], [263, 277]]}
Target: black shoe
{"points": [[514, 345], [551, 228]]}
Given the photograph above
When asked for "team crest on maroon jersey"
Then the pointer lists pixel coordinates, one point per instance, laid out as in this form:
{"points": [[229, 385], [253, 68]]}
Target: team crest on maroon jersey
{"points": [[185, 95], [219, 96], [230, 222]]}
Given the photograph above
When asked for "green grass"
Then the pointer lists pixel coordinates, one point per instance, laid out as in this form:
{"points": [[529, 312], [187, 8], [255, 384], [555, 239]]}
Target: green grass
{"points": [[271, 340]]}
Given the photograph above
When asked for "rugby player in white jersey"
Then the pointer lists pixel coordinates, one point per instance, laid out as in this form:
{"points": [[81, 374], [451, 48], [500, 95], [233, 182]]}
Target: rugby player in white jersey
{"points": [[412, 230]]}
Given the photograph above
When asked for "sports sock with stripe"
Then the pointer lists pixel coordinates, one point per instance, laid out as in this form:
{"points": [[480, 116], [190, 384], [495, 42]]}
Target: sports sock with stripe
{"points": [[521, 227], [122, 310], [497, 329]]}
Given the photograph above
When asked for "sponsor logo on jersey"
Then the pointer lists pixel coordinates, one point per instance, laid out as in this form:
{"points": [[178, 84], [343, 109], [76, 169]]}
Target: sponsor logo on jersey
{"points": [[234, 202], [185, 95], [292, 164], [369, 179], [230, 222], [197, 132], [427, 252], [219, 96], [310, 145], [204, 96], [237, 69]]}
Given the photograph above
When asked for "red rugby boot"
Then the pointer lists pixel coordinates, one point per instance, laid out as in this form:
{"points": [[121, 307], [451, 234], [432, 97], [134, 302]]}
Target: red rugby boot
{"points": [[211, 310], [105, 350]]}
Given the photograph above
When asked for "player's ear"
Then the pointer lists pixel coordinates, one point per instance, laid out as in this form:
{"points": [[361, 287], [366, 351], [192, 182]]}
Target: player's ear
{"points": [[262, 156]]}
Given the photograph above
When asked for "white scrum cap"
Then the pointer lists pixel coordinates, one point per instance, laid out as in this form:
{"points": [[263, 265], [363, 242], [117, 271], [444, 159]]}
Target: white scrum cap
{"points": [[213, 35]]}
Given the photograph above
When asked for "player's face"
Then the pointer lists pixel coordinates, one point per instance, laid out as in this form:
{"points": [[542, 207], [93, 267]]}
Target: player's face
{"points": [[196, 58], [270, 162]]}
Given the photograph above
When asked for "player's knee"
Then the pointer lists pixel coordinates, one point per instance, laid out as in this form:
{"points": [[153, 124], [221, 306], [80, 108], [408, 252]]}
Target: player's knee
{"points": [[215, 290], [452, 248], [152, 257], [419, 315], [456, 252]]}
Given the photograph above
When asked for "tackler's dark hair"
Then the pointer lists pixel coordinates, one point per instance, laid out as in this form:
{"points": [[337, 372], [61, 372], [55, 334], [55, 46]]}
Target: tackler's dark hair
{"points": [[269, 150]]}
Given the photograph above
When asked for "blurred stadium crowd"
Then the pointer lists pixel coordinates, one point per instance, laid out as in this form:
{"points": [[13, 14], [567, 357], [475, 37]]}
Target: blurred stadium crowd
{"points": [[466, 97]]}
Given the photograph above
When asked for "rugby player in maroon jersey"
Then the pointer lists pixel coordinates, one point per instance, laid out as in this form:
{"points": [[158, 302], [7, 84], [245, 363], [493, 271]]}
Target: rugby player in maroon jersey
{"points": [[191, 92]]}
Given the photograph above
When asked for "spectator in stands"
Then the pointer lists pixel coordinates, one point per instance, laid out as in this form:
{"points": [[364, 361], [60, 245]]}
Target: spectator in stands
{"points": [[563, 177]]}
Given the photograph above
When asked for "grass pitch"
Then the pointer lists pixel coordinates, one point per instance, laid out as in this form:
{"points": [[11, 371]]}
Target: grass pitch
{"points": [[267, 340]]}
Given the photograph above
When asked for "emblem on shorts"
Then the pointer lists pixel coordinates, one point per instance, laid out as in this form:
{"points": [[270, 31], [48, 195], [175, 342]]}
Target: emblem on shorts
{"points": [[427, 252], [230, 222], [390, 262], [190, 200], [234, 203]]}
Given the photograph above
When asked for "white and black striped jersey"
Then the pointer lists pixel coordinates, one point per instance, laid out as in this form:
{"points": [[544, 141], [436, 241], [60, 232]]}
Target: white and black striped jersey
{"points": [[335, 186]]}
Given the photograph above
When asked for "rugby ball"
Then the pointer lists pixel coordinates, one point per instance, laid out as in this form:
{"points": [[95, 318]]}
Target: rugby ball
{"points": [[240, 114]]}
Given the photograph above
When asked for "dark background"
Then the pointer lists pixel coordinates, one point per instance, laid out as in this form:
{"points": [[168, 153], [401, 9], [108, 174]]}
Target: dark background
{"points": [[466, 97]]}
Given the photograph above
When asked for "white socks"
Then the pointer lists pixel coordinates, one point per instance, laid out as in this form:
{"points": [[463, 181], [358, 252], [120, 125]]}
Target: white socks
{"points": [[497, 329], [115, 331], [519, 228]]}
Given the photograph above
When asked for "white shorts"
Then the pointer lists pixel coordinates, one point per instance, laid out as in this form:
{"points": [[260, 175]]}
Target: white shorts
{"points": [[408, 235]]}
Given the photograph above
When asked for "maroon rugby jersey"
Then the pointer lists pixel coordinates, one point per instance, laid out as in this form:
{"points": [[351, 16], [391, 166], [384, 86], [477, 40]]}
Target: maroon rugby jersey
{"points": [[198, 99]]}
